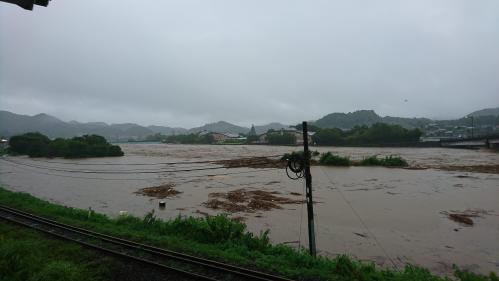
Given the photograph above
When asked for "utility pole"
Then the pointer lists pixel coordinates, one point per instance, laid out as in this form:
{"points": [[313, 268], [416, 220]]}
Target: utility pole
{"points": [[472, 126], [308, 182]]}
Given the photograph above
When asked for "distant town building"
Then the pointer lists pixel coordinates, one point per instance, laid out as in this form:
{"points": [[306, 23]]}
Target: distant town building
{"points": [[227, 137], [3, 143]]}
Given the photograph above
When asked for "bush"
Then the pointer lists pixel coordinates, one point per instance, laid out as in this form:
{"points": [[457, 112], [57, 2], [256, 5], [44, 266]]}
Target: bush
{"points": [[370, 161], [334, 160], [281, 138], [394, 161], [32, 144], [388, 161]]}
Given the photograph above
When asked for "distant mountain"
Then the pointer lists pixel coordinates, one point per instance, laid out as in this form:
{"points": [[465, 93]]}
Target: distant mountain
{"points": [[221, 127], [348, 120], [13, 124], [409, 123], [167, 130], [275, 126], [486, 112]]}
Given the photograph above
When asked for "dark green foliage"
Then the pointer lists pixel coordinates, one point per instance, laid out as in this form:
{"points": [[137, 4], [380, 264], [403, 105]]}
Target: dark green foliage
{"points": [[281, 138], [370, 161], [310, 127], [379, 133], [334, 160], [252, 131], [32, 144], [388, 161], [367, 118], [329, 137], [394, 161], [251, 138], [213, 237], [38, 145]]}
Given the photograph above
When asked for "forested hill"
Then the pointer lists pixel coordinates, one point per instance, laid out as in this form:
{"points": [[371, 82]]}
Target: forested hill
{"points": [[367, 117], [486, 112]]}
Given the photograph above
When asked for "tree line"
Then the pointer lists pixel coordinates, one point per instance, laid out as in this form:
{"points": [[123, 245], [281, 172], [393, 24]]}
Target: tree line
{"points": [[39, 145], [379, 133]]}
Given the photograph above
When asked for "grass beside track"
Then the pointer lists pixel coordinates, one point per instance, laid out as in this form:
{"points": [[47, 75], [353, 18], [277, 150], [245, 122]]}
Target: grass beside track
{"points": [[222, 239], [27, 255]]}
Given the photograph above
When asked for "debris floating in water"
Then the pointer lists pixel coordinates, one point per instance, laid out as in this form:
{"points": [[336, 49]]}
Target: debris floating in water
{"points": [[160, 192], [243, 200], [466, 216]]}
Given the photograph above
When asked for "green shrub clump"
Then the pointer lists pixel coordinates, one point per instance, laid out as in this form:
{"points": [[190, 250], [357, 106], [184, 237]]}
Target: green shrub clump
{"points": [[38, 145], [334, 160], [388, 161]]}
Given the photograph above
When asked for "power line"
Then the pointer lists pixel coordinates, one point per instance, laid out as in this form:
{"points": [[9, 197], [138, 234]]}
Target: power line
{"points": [[128, 172], [127, 179], [159, 163], [361, 221], [97, 171]]}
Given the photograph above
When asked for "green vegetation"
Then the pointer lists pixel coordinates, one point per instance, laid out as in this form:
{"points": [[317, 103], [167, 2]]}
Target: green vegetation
{"points": [[331, 159], [379, 133], [155, 137], [226, 240], [29, 255], [367, 118], [388, 161], [280, 138], [190, 139], [334, 160], [38, 145]]}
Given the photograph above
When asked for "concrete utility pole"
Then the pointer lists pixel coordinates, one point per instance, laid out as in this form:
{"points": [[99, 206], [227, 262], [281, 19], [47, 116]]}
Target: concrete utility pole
{"points": [[308, 182]]}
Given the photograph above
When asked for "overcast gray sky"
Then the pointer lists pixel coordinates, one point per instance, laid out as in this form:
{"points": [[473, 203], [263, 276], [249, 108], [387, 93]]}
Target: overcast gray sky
{"points": [[186, 63]]}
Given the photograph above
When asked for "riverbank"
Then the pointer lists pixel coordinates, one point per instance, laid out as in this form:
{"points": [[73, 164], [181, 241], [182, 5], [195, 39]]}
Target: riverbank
{"points": [[225, 240]]}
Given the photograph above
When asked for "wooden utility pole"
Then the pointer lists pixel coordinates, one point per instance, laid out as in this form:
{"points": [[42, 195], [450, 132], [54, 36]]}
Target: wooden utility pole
{"points": [[308, 182]]}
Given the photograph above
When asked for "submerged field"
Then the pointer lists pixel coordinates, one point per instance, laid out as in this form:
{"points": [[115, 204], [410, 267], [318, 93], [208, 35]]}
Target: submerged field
{"points": [[390, 216]]}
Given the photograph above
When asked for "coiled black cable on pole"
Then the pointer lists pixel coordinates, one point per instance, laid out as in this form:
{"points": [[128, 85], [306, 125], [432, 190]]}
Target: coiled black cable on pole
{"points": [[296, 164]]}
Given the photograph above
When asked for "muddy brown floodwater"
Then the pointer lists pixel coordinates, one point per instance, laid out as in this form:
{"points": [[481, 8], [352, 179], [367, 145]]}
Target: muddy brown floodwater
{"points": [[437, 213]]}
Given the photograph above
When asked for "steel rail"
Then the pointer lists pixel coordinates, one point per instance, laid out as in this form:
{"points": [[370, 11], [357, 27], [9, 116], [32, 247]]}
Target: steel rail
{"points": [[108, 251], [209, 264]]}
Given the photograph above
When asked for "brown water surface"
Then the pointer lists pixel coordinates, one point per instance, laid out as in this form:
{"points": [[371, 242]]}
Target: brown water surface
{"points": [[372, 213]]}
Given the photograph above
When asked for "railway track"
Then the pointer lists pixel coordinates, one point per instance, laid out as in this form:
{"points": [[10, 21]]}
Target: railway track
{"points": [[189, 266]]}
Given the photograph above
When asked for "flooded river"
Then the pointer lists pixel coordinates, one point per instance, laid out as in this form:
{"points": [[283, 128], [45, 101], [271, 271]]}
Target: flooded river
{"points": [[389, 216]]}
